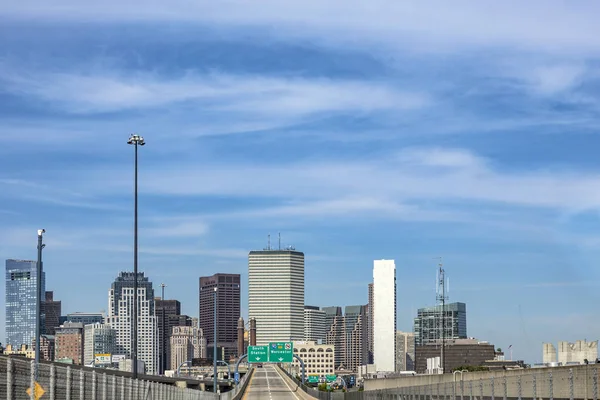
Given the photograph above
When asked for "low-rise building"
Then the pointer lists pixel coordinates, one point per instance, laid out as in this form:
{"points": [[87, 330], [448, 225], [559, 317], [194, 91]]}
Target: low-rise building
{"points": [[318, 358], [46, 347], [457, 353]]}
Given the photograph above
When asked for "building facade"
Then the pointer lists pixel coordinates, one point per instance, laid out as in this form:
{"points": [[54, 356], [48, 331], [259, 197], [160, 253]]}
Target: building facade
{"points": [[549, 353], [167, 313], [51, 309], [348, 335], [457, 353], [405, 351], [318, 358], [98, 339], [69, 342], [85, 318], [47, 343], [384, 315], [370, 319], [120, 311], [276, 294], [315, 325], [21, 298], [186, 343], [428, 324], [228, 310], [577, 352]]}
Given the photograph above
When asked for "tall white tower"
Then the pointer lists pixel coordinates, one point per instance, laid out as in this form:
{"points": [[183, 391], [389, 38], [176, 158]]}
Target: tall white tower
{"points": [[120, 311], [276, 294], [384, 315]]}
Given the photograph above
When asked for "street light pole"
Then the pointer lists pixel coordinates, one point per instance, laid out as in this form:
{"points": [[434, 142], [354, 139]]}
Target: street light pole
{"points": [[215, 345], [136, 141], [38, 301]]}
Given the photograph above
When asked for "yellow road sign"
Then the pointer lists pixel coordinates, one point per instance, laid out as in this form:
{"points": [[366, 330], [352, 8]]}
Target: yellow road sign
{"points": [[38, 391]]}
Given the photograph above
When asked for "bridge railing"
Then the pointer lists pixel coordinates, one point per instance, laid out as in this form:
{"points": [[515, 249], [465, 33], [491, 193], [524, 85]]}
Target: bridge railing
{"points": [[17, 375], [542, 384]]}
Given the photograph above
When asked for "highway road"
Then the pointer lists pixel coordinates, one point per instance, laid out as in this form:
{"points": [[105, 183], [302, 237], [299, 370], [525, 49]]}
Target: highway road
{"points": [[268, 384]]}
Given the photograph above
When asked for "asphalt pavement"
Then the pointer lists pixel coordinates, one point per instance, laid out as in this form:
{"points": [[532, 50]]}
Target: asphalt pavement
{"points": [[268, 384]]}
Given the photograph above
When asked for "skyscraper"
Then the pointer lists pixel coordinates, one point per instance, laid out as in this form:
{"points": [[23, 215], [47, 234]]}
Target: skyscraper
{"points": [[120, 310], [187, 342], [405, 349], [384, 315], [228, 311], [51, 310], [348, 334], [276, 294], [165, 310], [315, 326], [428, 324], [21, 297]]}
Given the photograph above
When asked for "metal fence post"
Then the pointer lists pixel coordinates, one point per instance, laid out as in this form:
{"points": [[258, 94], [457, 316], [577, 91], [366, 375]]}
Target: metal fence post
{"points": [[493, 389], [534, 385], [122, 388], [551, 385], [519, 387], [68, 388], [81, 384], [571, 394], [32, 378], [130, 389], [52, 382], [470, 389], [9, 379], [480, 388], [462, 388], [595, 384], [104, 386], [113, 389], [504, 384], [94, 387]]}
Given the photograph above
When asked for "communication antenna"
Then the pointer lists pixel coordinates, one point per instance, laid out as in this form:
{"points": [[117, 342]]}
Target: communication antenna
{"points": [[279, 240], [441, 297]]}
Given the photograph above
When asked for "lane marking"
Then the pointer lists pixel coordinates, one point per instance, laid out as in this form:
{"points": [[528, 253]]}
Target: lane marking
{"points": [[286, 384]]}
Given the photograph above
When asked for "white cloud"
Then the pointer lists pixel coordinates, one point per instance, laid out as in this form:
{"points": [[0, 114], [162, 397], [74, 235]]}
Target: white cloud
{"points": [[426, 26], [216, 92]]}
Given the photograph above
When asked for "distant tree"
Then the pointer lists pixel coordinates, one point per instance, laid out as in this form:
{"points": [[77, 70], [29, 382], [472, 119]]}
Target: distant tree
{"points": [[471, 368], [498, 350]]}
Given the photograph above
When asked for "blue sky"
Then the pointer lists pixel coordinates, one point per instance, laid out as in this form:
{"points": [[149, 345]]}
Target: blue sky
{"points": [[360, 130]]}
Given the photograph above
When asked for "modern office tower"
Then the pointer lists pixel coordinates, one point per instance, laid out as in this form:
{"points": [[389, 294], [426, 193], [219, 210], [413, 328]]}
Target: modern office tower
{"points": [[86, 318], [334, 320], [405, 351], [21, 296], [428, 324], [69, 342], [166, 312], [46, 347], [187, 343], [348, 334], [276, 294], [98, 339], [51, 309], [120, 311], [228, 311], [355, 336], [315, 325], [384, 315], [370, 317]]}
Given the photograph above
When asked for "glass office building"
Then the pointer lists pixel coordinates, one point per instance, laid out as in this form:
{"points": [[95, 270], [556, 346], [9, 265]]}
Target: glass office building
{"points": [[21, 296], [428, 324]]}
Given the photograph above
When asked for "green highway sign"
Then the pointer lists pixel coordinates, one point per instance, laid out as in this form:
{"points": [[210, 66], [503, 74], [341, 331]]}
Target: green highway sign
{"points": [[313, 379], [282, 352], [258, 354], [330, 378]]}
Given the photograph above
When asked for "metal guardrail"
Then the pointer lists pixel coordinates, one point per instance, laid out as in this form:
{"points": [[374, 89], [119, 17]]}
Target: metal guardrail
{"points": [[67, 383], [532, 384]]}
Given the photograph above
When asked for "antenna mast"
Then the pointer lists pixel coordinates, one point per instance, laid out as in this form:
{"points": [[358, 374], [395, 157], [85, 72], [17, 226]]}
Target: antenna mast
{"points": [[279, 240], [441, 298], [269, 241]]}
